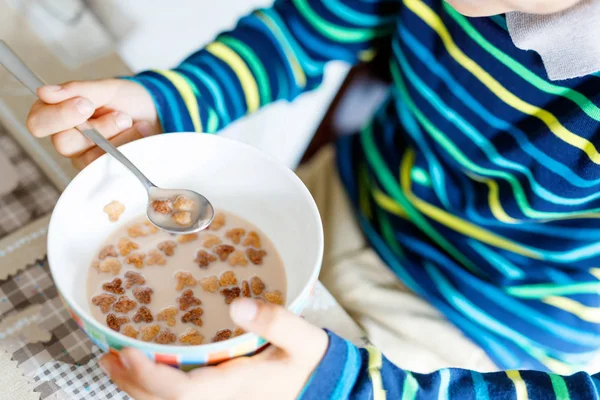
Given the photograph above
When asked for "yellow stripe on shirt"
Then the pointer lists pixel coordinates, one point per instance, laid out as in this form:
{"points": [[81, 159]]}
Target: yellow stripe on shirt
{"points": [[519, 383], [589, 314], [186, 92], [374, 367], [494, 199]]}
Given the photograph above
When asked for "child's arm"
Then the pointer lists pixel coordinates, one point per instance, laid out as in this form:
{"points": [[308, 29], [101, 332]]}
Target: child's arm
{"points": [[272, 54]]}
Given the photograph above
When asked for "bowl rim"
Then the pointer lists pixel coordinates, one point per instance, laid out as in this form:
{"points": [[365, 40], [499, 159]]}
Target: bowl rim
{"points": [[126, 341]]}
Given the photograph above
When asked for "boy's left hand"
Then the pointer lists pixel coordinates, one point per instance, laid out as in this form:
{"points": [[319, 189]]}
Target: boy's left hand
{"points": [[279, 372]]}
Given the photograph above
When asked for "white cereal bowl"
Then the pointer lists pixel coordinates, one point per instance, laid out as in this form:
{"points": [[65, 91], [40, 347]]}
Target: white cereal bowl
{"points": [[234, 176]]}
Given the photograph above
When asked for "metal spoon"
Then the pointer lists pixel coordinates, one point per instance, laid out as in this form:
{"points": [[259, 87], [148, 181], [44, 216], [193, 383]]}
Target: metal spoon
{"points": [[194, 216]]}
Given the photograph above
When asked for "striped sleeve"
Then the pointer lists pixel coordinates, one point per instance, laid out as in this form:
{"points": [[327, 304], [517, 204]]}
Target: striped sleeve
{"points": [[272, 54], [347, 372]]}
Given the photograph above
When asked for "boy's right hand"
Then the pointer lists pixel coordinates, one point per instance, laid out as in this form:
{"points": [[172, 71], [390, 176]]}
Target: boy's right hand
{"points": [[122, 110]]}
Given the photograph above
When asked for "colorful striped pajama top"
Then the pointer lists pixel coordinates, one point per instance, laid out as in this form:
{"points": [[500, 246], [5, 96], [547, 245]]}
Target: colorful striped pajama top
{"points": [[477, 181]]}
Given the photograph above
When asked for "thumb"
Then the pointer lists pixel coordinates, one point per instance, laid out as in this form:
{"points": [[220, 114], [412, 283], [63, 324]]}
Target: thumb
{"points": [[99, 92], [277, 325]]}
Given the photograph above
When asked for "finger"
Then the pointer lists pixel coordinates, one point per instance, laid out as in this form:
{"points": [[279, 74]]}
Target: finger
{"points": [[138, 131], [111, 365], [99, 92], [71, 142], [279, 326], [44, 119]]}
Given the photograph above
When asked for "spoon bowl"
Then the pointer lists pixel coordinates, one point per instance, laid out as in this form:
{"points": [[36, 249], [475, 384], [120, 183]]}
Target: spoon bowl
{"points": [[195, 208]]}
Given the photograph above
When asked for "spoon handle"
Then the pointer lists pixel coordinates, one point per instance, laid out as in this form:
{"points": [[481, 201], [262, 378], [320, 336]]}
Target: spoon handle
{"points": [[31, 81]]}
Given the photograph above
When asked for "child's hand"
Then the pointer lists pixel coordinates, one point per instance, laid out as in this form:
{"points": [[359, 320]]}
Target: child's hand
{"points": [[121, 110], [280, 372]]}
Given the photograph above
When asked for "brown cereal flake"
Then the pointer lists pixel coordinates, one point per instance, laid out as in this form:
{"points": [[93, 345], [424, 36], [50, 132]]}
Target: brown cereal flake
{"points": [[167, 314], [161, 206], [104, 301], [217, 222], [136, 230], [115, 322], [186, 238], [167, 247], [114, 209], [255, 256], [155, 258], [133, 278], [184, 279], [274, 297], [222, 335], [246, 289], [143, 314], [228, 278], [124, 305], [188, 300], [152, 229], [191, 337], [114, 286], [193, 316], [237, 259], [126, 246], [182, 203], [210, 241], [136, 259], [182, 218], [130, 331], [257, 285], [223, 251], [110, 265], [108, 251], [252, 240], [149, 332], [238, 332], [235, 235], [143, 294], [165, 337], [210, 283], [231, 294], [203, 258]]}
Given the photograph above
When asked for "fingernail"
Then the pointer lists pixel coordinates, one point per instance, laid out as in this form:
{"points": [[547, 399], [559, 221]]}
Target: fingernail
{"points": [[84, 107], [104, 366], [243, 310], [123, 121], [144, 128], [52, 88]]}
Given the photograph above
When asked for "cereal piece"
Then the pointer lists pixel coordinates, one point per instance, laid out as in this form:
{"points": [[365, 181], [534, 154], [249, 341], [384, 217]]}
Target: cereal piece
{"points": [[167, 247], [104, 301], [137, 259], [96, 265], [114, 286], [126, 246], [165, 337], [110, 265], [115, 322], [210, 241], [217, 222], [130, 331], [235, 235], [136, 230], [231, 294], [182, 218], [274, 297], [161, 206], [210, 283], [221, 335], [252, 240], [191, 337], [114, 209], [203, 258], [124, 305], [228, 279], [223, 251], [257, 285], [167, 314], [246, 289], [143, 294], [108, 251], [238, 332], [152, 229], [149, 332], [185, 279], [237, 259], [182, 203], [255, 256], [155, 258], [188, 300], [188, 237], [133, 278], [143, 314], [193, 316]]}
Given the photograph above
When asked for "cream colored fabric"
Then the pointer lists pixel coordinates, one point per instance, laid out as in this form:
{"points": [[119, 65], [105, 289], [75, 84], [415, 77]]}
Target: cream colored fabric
{"points": [[410, 332]]}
